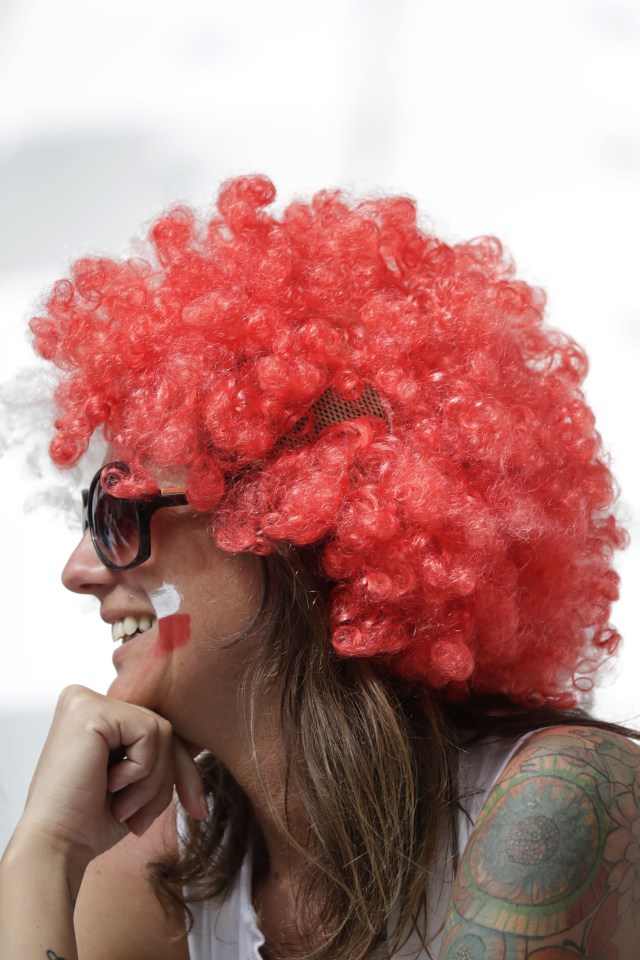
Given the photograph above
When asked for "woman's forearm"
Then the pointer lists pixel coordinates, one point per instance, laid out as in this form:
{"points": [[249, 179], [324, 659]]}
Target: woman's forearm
{"points": [[38, 888]]}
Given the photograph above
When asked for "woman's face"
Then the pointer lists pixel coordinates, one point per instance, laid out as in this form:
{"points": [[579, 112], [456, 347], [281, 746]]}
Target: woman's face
{"points": [[180, 620]]}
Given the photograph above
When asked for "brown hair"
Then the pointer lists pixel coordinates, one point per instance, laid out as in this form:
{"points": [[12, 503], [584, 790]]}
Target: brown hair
{"points": [[374, 762]]}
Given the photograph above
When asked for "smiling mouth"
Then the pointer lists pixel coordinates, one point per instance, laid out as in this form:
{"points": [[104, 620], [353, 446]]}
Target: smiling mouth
{"points": [[131, 627]]}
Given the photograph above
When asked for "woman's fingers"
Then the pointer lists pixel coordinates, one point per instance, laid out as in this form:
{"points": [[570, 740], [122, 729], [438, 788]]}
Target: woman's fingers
{"points": [[188, 782], [107, 763], [139, 805], [146, 777], [142, 782], [140, 801], [147, 748]]}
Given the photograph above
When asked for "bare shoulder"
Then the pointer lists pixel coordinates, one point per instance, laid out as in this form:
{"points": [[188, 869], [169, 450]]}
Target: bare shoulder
{"points": [[117, 916], [552, 868]]}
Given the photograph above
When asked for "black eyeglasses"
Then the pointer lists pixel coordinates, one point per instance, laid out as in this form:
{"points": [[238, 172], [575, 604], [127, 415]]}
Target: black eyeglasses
{"points": [[120, 527]]}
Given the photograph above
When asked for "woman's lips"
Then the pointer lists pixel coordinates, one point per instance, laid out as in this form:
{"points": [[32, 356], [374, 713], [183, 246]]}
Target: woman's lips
{"points": [[132, 642]]}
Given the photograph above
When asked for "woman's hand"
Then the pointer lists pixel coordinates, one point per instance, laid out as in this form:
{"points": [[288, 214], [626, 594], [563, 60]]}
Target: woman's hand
{"points": [[107, 767]]}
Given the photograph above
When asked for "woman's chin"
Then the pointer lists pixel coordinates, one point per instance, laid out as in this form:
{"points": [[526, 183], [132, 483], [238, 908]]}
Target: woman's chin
{"points": [[131, 692]]}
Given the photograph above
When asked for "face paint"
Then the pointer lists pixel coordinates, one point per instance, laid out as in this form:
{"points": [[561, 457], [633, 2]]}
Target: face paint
{"points": [[174, 629], [166, 600]]}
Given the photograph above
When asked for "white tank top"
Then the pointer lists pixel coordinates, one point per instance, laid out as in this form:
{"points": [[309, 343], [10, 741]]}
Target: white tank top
{"points": [[226, 928]]}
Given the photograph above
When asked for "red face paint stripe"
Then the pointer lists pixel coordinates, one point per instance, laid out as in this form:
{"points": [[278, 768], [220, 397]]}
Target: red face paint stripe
{"points": [[173, 632]]}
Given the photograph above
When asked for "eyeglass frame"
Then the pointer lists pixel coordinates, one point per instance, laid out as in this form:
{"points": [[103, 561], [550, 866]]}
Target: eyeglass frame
{"points": [[145, 507]]}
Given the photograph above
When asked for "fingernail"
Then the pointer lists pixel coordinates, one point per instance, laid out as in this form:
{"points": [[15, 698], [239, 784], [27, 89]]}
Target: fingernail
{"points": [[204, 807], [143, 826], [126, 815]]}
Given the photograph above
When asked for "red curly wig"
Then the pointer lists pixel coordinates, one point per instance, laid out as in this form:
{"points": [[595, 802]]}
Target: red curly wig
{"points": [[459, 496]]}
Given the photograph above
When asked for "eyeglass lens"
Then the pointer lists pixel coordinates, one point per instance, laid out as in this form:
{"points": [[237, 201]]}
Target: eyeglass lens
{"points": [[115, 525]]}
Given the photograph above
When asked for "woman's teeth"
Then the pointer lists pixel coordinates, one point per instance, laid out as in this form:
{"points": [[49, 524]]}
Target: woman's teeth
{"points": [[123, 629]]}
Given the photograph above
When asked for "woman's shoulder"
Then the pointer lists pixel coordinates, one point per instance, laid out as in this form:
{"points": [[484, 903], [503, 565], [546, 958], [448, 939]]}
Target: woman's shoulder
{"points": [[601, 739], [553, 862], [118, 916]]}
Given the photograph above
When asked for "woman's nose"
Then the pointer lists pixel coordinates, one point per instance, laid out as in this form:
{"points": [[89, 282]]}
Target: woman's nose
{"points": [[84, 571]]}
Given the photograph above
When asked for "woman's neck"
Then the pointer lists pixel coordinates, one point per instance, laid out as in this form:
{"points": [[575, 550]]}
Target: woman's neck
{"points": [[282, 838], [258, 763]]}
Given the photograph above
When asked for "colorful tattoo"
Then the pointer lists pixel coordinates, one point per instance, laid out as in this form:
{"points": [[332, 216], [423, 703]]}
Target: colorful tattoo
{"points": [[553, 865]]}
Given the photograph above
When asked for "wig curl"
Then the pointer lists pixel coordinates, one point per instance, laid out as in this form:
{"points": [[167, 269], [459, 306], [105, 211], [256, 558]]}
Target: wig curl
{"points": [[457, 493]]}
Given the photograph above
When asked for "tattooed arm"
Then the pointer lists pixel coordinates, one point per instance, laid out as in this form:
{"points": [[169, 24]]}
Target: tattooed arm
{"points": [[552, 868]]}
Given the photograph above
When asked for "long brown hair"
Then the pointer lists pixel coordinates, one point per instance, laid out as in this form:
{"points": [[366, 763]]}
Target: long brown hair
{"points": [[374, 763]]}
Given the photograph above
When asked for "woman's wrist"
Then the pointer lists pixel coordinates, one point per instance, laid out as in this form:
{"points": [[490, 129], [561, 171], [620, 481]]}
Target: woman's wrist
{"points": [[37, 850]]}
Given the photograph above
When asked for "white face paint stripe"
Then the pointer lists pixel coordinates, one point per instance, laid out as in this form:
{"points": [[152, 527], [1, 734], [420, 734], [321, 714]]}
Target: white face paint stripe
{"points": [[166, 600]]}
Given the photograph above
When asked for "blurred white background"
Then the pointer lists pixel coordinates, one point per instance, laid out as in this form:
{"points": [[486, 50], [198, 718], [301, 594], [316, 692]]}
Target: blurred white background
{"points": [[516, 119]]}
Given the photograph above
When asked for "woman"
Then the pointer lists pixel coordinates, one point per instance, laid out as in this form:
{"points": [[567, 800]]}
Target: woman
{"points": [[353, 536]]}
